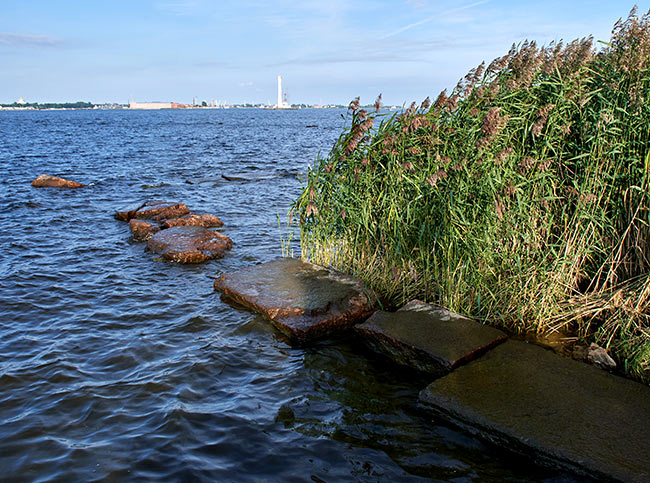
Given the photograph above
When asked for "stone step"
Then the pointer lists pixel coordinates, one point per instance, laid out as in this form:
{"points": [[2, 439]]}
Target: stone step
{"points": [[561, 412], [303, 300], [428, 338]]}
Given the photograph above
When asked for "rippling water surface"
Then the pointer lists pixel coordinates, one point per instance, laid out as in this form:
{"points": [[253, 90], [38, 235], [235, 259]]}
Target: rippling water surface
{"points": [[117, 366]]}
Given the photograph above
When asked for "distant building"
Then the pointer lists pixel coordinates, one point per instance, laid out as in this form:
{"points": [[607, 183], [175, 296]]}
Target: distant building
{"points": [[282, 101], [150, 105], [21, 101]]}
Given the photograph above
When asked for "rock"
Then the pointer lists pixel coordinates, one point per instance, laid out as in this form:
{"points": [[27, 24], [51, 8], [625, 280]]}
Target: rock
{"points": [[580, 352], [558, 411], [127, 215], [234, 178], [428, 338], [302, 300], [189, 244], [285, 416], [161, 210], [142, 230], [207, 221], [599, 357], [47, 181], [154, 210]]}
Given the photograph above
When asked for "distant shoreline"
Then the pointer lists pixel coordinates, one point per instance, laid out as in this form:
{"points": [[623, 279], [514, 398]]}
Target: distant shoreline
{"points": [[125, 107], [2, 108]]}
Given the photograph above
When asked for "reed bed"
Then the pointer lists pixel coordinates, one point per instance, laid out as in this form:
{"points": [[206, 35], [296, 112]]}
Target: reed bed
{"points": [[519, 198]]}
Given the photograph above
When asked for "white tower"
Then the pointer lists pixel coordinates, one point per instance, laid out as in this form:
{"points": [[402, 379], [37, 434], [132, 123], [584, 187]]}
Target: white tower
{"points": [[279, 104]]}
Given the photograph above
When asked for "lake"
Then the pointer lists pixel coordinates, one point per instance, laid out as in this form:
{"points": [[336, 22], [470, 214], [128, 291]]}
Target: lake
{"points": [[117, 366]]}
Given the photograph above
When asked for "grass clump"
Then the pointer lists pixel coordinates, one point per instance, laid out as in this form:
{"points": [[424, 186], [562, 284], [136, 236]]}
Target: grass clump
{"points": [[520, 198]]}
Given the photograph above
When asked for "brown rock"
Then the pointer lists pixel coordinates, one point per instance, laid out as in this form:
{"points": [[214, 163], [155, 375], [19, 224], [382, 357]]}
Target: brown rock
{"points": [[161, 210], [154, 210], [189, 244], [47, 181], [207, 221], [599, 357], [303, 300], [142, 230], [127, 214]]}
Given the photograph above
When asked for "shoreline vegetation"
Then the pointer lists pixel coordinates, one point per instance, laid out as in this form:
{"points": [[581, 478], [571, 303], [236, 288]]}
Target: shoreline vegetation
{"points": [[521, 198]]}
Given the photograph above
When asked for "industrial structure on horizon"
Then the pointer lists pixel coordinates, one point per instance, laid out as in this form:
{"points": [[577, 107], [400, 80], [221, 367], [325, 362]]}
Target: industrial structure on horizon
{"points": [[282, 99]]}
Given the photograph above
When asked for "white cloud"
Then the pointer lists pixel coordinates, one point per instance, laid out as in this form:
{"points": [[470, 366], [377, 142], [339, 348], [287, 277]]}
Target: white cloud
{"points": [[180, 7], [23, 40], [435, 17]]}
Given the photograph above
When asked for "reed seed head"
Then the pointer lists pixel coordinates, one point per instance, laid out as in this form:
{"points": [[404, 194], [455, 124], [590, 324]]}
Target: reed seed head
{"points": [[378, 103], [354, 104]]}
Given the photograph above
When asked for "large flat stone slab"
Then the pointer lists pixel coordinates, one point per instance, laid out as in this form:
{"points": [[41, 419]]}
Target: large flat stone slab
{"points": [[428, 338], [559, 411], [303, 300]]}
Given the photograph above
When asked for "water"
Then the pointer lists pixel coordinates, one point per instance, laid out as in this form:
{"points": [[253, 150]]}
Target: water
{"points": [[117, 366]]}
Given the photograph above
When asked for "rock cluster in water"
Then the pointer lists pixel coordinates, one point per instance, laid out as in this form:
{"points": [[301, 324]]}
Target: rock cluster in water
{"points": [[48, 181], [178, 235]]}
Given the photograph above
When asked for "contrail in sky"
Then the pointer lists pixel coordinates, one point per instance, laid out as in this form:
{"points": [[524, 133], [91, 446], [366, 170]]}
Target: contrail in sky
{"points": [[433, 17]]}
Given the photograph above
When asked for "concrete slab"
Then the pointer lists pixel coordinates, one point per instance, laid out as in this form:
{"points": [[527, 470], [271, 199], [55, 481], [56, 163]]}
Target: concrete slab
{"points": [[428, 338], [303, 300], [559, 411]]}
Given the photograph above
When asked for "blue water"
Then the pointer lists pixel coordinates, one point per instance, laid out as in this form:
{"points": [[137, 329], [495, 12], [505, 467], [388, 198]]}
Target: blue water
{"points": [[116, 366]]}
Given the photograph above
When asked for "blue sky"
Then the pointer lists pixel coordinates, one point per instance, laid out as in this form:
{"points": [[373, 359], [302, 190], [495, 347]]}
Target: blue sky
{"points": [[327, 51]]}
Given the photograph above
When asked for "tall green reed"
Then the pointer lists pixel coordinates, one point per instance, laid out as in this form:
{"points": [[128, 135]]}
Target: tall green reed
{"points": [[520, 198]]}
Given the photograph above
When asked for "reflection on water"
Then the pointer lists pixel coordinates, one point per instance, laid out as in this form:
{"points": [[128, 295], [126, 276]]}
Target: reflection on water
{"points": [[117, 366]]}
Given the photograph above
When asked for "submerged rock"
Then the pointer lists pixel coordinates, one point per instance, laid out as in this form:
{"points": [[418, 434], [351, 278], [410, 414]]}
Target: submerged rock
{"points": [[285, 416], [428, 338], [303, 300], [206, 221], [556, 410], [154, 210], [234, 178], [47, 181], [142, 230], [189, 244]]}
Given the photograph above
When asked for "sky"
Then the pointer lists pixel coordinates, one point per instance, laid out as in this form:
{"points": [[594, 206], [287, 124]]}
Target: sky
{"points": [[327, 51]]}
